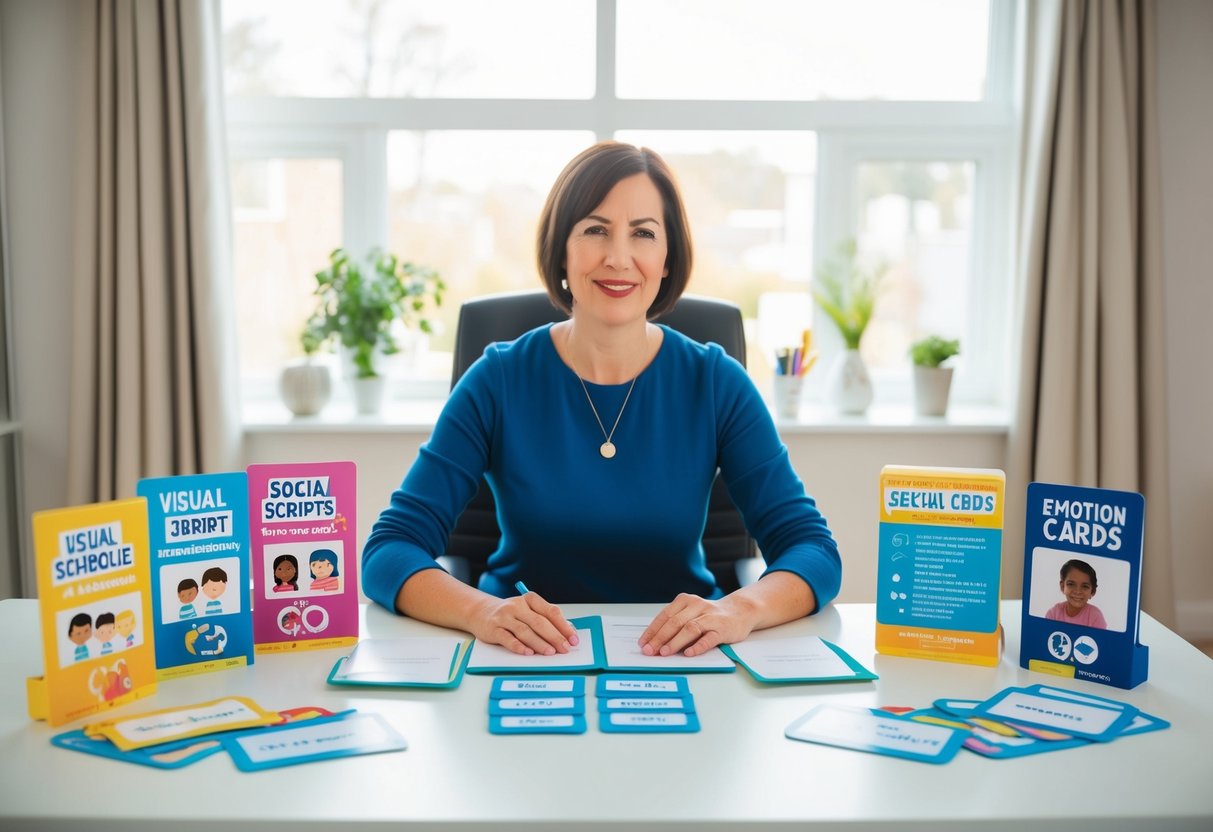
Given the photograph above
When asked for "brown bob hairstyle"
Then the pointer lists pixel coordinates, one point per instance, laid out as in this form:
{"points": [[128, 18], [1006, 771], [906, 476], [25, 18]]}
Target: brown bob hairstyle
{"points": [[581, 187]]}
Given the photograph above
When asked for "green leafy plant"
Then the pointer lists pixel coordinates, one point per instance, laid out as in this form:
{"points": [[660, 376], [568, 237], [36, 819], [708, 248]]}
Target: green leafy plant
{"points": [[933, 350], [846, 292], [357, 302]]}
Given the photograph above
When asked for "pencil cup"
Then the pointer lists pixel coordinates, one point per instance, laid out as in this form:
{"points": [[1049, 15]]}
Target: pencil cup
{"points": [[788, 391]]}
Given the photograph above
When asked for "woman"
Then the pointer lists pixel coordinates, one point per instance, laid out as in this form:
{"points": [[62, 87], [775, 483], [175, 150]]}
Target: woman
{"points": [[600, 437]]}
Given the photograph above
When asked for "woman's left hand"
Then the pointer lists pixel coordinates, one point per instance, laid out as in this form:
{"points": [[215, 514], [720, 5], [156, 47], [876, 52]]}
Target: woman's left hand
{"points": [[695, 625]]}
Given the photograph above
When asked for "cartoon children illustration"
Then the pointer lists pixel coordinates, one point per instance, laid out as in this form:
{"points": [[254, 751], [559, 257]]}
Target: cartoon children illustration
{"points": [[79, 631], [214, 582], [1078, 584], [105, 632], [126, 627], [325, 576], [286, 574], [187, 591]]}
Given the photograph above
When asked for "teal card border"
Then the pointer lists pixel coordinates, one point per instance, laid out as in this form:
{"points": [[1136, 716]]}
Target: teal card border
{"points": [[862, 674]]}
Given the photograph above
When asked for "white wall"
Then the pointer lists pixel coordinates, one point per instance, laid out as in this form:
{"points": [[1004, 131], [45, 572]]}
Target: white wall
{"points": [[37, 46], [38, 49], [1185, 110]]}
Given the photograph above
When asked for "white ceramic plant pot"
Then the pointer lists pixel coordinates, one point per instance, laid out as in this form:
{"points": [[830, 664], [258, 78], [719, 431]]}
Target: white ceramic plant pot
{"points": [[850, 386], [931, 386], [305, 388], [368, 394]]}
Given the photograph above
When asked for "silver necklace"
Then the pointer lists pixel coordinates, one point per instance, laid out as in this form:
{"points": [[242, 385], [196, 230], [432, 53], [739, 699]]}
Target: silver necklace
{"points": [[607, 448]]}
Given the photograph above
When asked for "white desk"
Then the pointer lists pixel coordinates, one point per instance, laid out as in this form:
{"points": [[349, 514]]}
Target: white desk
{"points": [[739, 772]]}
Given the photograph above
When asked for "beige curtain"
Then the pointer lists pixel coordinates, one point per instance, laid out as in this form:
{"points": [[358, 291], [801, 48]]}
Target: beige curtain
{"points": [[1091, 398], [153, 378]]}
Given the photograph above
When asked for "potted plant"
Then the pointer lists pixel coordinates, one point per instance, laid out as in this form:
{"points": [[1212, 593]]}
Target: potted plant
{"points": [[356, 304], [931, 380], [846, 292], [305, 386]]}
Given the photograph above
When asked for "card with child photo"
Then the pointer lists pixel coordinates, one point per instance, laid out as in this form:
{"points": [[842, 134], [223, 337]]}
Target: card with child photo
{"points": [[1082, 584]]}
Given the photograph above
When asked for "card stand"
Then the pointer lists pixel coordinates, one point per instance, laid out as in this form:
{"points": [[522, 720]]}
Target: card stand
{"points": [[1094, 536]]}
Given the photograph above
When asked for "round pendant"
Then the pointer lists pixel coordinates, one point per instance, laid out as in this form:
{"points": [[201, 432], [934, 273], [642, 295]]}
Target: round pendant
{"points": [[607, 450]]}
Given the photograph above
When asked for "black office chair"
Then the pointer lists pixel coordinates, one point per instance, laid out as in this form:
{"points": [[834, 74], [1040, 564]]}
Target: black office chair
{"points": [[731, 552]]}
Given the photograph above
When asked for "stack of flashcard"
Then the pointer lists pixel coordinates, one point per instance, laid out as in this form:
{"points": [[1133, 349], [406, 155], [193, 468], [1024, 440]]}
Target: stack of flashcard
{"points": [[1015, 722], [537, 705], [254, 737], [646, 705]]}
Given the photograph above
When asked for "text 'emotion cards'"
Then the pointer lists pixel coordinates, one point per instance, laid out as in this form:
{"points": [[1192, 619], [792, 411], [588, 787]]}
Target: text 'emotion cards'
{"points": [[1082, 584]]}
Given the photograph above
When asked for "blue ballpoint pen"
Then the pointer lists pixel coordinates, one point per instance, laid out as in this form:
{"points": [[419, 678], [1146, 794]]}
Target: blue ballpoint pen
{"points": [[521, 587]]}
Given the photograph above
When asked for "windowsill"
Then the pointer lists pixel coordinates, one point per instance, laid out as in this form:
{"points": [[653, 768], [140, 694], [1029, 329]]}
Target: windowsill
{"points": [[418, 417]]}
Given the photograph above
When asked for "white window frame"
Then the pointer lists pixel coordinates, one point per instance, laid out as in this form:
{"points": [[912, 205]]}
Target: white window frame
{"points": [[355, 130]]}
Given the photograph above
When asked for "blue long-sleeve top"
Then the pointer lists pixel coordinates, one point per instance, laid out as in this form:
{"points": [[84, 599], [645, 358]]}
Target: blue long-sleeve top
{"points": [[580, 528]]}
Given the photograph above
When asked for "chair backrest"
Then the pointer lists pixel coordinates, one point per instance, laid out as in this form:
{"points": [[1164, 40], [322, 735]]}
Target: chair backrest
{"points": [[504, 317]]}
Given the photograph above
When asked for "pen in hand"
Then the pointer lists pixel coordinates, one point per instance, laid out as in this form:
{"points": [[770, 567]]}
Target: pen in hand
{"points": [[522, 590]]}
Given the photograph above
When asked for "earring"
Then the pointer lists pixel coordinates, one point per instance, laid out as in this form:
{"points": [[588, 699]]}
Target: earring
{"points": [[564, 284]]}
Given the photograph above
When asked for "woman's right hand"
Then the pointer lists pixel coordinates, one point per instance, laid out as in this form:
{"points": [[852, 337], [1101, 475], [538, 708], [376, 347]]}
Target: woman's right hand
{"points": [[525, 624]]}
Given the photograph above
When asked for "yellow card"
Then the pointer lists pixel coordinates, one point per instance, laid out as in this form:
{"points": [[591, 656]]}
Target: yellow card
{"points": [[171, 724]]}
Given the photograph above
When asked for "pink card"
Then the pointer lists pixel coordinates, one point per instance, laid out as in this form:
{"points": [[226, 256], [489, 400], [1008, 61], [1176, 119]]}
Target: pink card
{"points": [[302, 527]]}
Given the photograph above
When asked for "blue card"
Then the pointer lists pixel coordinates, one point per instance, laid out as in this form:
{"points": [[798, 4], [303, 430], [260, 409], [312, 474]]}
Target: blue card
{"points": [[957, 707], [1142, 723], [167, 755], [621, 685], [633, 722], [511, 686], [537, 724], [681, 704], [323, 738], [531, 705], [877, 732], [1092, 718]]}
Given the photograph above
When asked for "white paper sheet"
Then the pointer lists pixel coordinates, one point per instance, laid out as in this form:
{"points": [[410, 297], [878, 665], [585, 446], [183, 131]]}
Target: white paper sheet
{"points": [[422, 660], [621, 634], [802, 657], [494, 655]]}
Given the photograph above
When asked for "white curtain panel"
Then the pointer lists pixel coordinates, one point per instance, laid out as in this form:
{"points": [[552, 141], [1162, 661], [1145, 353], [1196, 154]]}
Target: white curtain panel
{"points": [[1090, 406], [153, 356]]}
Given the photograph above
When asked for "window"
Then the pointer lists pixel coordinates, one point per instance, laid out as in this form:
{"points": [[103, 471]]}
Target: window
{"points": [[791, 124]]}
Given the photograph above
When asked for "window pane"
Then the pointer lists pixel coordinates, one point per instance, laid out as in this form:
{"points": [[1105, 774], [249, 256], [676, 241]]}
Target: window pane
{"points": [[287, 218], [466, 203], [802, 49], [749, 197], [408, 48], [916, 217]]}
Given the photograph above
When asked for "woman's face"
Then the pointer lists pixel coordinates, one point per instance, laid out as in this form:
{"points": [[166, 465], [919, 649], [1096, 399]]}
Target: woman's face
{"points": [[615, 257], [285, 571], [1077, 588], [322, 568]]}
